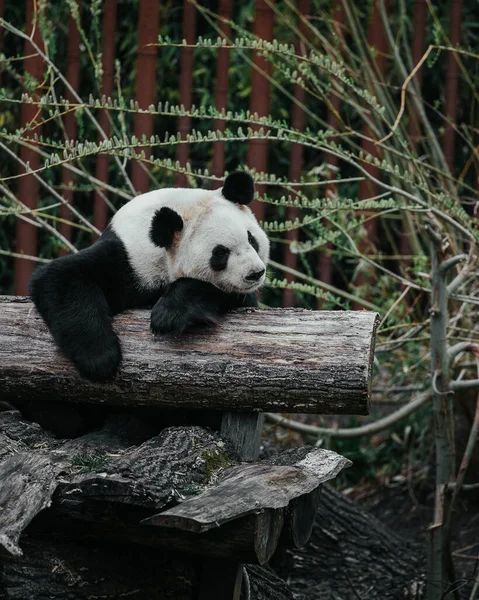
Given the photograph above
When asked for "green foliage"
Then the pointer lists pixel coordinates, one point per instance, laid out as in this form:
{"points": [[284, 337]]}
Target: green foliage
{"points": [[87, 463], [409, 184], [213, 461]]}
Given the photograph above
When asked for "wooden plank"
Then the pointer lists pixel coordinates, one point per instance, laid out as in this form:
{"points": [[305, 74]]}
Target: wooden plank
{"points": [[243, 430], [248, 489], [276, 360]]}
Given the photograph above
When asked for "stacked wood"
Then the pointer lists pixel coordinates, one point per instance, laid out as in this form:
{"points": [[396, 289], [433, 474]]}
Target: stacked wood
{"points": [[289, 360], [106, 487]]}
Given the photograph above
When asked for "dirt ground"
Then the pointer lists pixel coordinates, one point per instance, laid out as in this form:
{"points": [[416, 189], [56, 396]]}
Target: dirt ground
{"points": [[406, 507]]}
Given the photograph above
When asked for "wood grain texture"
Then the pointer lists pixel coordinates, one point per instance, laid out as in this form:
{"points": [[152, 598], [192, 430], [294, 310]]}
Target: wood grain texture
{"points": [[276, 360], [243, 431], [248, 489], [108, 483]]}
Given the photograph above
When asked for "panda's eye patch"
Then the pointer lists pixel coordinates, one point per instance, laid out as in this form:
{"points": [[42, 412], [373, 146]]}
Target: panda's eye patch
{"points": [[253, 241], [219, 258]]}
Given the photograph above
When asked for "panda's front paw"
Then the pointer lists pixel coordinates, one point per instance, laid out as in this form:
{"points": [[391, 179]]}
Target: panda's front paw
{"points": [[166, 318], [102, 365]]}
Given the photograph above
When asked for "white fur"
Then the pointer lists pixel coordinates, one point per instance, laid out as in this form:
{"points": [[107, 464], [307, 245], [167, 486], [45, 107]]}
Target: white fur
{"points": [[209, 219]]}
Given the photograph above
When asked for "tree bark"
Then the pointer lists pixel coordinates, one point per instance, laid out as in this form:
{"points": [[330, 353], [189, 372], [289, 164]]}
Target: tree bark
{"points": [[272, 360]]}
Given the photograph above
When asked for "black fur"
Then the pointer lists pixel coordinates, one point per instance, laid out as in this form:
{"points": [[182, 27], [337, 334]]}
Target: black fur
{"points": [[239, 187], [78, 294], [219, 258], [164, 225], [188, 302], [253, 241]]}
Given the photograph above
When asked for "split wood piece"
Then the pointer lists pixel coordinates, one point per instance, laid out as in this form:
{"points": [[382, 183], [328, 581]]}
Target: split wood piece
{"points": [[277, 360], [252, 489]]}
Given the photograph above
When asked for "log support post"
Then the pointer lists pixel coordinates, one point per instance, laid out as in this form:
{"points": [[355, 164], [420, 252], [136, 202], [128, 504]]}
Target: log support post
{"points": [[243, 430], [220, 579]]}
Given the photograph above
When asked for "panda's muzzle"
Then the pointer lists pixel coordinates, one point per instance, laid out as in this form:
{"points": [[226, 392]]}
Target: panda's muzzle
{"points": [[255, 275]]}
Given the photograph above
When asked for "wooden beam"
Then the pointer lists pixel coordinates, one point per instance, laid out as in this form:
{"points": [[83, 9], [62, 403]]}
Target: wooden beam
{"points": [[276, 360], [243, 430]]}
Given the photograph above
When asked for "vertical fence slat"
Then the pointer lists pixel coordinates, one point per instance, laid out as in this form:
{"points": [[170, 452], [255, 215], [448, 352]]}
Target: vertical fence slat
{"points": [[69, 122], [26, 234], [186, 86], [376, 39], [145, 82], [260, 95], [414, 130], [225, 11], [452, 76], [298, 121], [2, 32], [325, 263], [417, 50], [100, 213]]}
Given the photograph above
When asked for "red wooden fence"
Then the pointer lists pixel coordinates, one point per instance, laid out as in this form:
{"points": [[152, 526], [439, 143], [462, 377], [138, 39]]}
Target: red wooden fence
{"points": [[452, 75], [145, 85], [225, 11], [70, 123], [26, 234], [2, 31], [367, 189], [186, 86], [108, 67], [418, 48], [298, 121], [260, 103], [260, 95]]}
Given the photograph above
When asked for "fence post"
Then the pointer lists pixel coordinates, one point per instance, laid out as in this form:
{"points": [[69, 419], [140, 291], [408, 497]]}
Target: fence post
{"points": [[298, 121], [26, 234], [225, 11], [260, 96], [186, 86], [70, 123], [145, 85], [452, 74], [108, 65], [376, 39]]}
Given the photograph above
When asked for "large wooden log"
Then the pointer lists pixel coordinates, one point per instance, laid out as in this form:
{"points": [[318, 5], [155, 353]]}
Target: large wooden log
{"points": [[283, 360]]}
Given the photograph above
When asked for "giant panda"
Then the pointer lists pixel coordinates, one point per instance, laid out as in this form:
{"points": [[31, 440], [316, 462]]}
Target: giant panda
{"points": [[192, 254]]}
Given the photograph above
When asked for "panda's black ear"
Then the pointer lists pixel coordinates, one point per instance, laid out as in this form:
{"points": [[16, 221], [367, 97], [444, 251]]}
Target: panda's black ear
{"points": [[165, 223], [239, 187]]}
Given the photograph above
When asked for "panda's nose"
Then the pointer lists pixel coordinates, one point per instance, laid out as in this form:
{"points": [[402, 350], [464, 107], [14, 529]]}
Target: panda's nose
{"points": [[255, 275]]}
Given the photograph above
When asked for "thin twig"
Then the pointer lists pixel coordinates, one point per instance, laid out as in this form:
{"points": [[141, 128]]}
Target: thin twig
{"points": [[353, 432]]}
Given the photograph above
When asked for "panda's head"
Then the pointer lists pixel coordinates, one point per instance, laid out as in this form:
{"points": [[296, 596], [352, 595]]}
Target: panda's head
{"points": [[216, 238]]}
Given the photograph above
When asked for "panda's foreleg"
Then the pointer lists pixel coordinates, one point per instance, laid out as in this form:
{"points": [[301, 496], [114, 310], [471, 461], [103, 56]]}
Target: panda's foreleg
{"points": [[69, 297], [188, 302]]}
